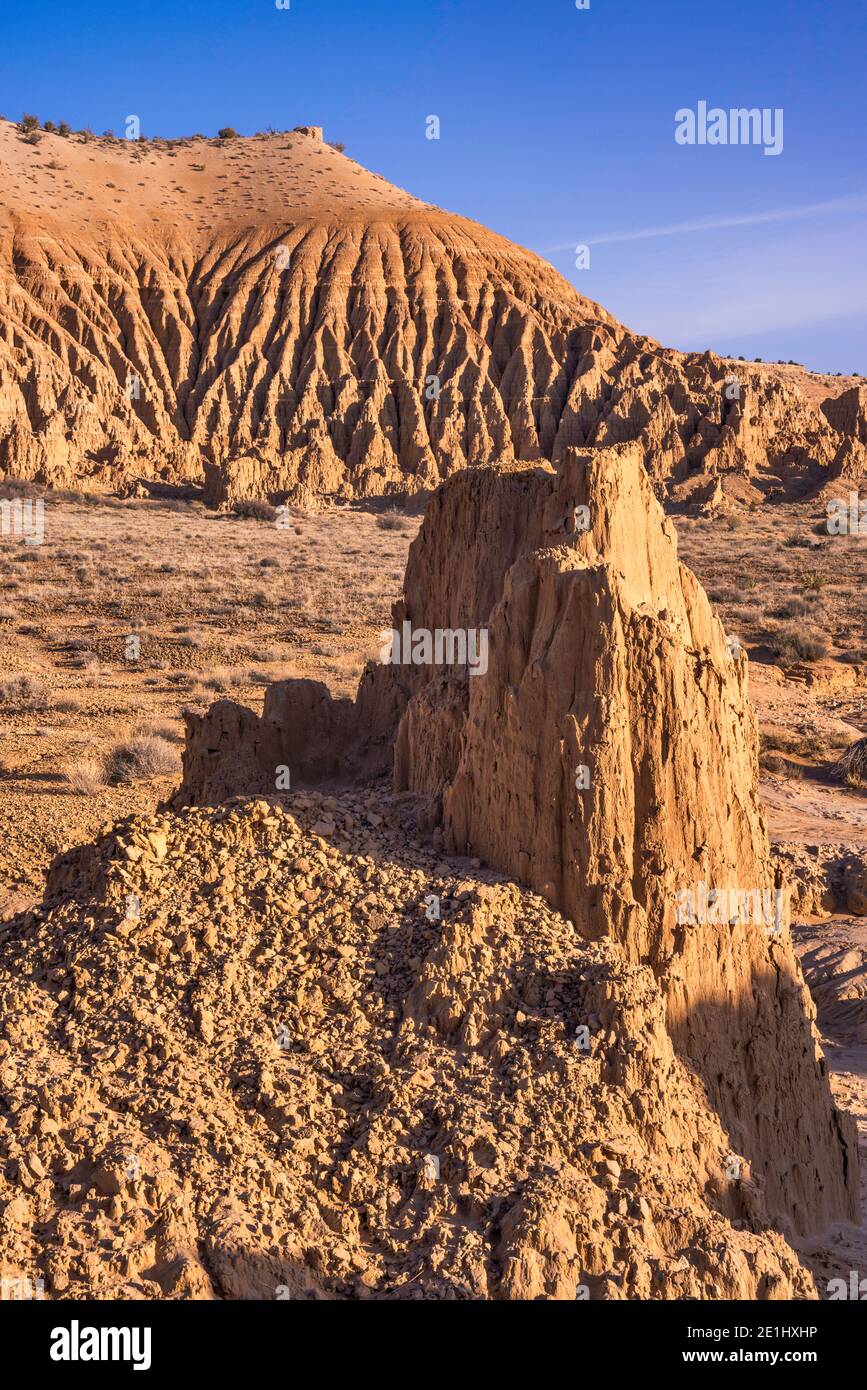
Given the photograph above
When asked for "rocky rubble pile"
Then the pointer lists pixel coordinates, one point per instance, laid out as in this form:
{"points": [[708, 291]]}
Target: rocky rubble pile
{"points": [[823, 879], [242, 1057]]}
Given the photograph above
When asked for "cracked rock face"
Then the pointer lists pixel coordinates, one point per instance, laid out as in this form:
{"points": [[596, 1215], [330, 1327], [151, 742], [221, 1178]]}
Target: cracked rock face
{"points": [[608, 759], [269, 319]]}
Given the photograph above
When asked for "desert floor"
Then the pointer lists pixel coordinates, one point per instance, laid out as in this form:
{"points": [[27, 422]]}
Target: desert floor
{"points": [[221, 606]]}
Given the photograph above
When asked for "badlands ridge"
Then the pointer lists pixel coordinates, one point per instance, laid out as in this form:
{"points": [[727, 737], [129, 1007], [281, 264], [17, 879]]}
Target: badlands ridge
{"points": [[267, 317]]}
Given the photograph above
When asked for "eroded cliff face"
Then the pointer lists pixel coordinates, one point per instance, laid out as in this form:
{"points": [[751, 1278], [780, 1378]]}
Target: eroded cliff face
{"points": [[269, 318], [607, 758]]}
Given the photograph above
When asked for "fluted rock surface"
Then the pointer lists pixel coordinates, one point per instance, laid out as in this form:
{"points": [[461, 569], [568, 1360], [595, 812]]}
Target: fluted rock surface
{"points": [[270, 318], [605, 655]]}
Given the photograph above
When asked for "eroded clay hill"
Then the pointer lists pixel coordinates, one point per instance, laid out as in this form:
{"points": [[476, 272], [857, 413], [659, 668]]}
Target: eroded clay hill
{"points": [[267, 316], [607, 758], [239, 1059]]}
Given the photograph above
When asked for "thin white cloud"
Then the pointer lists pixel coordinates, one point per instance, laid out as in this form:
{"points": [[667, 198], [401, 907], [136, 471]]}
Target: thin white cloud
{"points": [[831, 208]]}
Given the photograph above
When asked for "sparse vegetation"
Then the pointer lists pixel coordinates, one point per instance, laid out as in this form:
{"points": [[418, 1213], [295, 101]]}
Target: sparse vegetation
{"points": [[812, 580], [254, 509], [139, 758], [851, 768], [85, 775], [794, 608], [793, 643], [22, 692], [391, 521], [772, 762], [756, 577]]}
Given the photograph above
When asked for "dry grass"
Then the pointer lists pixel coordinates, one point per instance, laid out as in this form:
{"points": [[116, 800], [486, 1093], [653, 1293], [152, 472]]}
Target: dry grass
{"points": [[138, 759], [789, 644], [85, 775], [222, 605], [163, 729], [790, 591], [22, 692]]}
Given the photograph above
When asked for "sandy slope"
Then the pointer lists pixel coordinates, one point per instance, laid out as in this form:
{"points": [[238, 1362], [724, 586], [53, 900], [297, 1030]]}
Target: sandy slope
{"points": [[198, 185]]}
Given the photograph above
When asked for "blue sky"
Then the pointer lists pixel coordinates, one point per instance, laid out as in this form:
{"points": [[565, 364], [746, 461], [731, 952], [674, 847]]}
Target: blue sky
{"points": [[557, 128]]}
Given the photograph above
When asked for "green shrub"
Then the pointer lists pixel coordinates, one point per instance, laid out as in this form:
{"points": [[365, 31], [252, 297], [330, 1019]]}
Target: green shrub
{"points": [[812, 580]]}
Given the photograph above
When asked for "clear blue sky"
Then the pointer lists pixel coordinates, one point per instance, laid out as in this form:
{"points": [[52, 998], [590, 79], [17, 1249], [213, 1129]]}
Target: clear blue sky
{"points": [[557, 127]]}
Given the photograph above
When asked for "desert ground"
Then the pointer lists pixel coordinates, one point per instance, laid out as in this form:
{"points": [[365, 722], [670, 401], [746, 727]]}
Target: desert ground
{"points": [[224, 604], [220, 604]]}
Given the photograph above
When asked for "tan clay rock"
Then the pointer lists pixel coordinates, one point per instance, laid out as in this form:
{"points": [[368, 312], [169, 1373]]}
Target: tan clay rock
{"points": [[329, 335], [608, 759]]}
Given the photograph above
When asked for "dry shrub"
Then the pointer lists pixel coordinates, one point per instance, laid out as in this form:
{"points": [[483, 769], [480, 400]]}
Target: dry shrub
{"points": [[192, 637], [254, 509], [795, 644], [70, 704], [772, 762], [164, 729], [139, 758], [24, 692], [794, 608], [851, 768], [87, 661], [86, 776]]}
